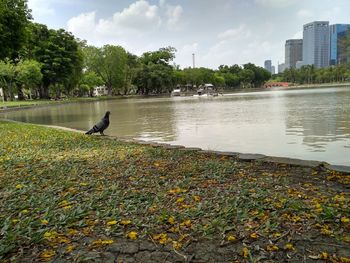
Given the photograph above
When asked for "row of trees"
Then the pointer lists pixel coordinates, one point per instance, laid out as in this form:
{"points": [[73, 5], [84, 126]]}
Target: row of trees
{"points": [[310, 75], [38, 62]]}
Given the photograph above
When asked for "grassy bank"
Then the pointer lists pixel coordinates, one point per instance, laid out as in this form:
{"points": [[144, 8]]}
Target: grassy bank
{"points": [[64, 195], [31, 103]]}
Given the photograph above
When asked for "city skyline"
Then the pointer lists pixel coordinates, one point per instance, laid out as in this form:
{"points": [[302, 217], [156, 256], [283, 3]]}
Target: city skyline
{"points": [[225, 32]]}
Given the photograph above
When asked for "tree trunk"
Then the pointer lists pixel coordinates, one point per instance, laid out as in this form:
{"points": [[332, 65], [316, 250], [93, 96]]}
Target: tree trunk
{"points": [[44, 91], [20, 93]]}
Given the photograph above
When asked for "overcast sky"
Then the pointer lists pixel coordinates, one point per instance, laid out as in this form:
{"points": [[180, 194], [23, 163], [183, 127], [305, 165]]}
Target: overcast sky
{"points": [[217, 31]]}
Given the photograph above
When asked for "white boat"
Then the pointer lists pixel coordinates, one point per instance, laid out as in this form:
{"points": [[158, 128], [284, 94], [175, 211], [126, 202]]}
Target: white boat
{"points": [[206, 90], [176, 92]]}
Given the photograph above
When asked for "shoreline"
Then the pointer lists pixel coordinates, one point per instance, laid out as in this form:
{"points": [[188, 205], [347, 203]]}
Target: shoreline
{"points": [[4, 109], [345, 169]]}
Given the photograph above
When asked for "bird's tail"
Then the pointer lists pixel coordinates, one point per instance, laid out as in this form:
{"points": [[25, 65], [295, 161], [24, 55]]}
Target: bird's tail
{"points": [[90, 132]]}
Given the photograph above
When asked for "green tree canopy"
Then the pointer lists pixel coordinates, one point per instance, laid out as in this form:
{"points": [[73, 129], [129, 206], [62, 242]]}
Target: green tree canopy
{"points": [[108, 62], [14, 18]]}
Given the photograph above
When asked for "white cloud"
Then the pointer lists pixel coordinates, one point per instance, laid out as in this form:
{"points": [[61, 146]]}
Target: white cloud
{"points": [[40, 8], [275, 3], [241, 32], [83, 24], [140, 17], [173, 14]]}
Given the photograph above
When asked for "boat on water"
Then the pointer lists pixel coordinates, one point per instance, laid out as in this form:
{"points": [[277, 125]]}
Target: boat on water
{"points": [[206, 90], [176, 92]]}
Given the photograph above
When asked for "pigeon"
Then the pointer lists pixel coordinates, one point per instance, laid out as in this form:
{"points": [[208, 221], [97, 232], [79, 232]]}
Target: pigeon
{"points": [[101, 125]]}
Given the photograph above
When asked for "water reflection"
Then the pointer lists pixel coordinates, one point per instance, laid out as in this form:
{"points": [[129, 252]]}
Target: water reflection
{"points": [[308, 124]]}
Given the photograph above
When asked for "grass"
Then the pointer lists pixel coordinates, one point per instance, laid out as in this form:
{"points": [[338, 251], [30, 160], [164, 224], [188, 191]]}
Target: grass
{"points": [[57, 188], [26, 103]]}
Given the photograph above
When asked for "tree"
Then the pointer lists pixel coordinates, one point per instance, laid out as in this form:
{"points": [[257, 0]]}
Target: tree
{"points": [[29, 76], [7, 78], [155, 74], [87, 83], [14, 18], [109, 62], [58, 52]]}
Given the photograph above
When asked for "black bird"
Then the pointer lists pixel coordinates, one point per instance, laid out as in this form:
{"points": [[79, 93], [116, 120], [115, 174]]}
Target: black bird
{"points": [[101, 125]]}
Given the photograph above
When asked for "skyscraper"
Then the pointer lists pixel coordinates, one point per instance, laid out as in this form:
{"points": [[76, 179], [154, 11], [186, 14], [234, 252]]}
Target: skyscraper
{"points": [[335, 33], [293, 52], [316, 44], [268, 65], [343, 48]]}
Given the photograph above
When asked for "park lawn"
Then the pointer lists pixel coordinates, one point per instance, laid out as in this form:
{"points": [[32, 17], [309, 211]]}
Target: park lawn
{"points": [[63, 192]]}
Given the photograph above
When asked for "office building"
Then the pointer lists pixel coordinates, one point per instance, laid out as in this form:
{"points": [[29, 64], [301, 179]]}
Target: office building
{"points": [[281, 67], [336, 33], [316, 44], [293, 52], [268, 65], [343, 48]]}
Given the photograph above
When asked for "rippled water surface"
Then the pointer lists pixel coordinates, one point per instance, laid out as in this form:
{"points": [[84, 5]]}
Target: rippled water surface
{"points": [[306, 123]]}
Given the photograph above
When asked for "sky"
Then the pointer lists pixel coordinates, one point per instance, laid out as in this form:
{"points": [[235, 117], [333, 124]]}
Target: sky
{"points": [[217, 31]]}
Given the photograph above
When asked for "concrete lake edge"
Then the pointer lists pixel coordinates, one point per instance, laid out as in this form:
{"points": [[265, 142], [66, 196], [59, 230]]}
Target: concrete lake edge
{"points": [[345, 170]]}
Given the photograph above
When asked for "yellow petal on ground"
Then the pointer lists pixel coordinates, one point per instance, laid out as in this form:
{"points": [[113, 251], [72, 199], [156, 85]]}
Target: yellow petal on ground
{"points": [[272, 247], [245, 252], [101, 242], [125, 222], [44, 222], [231, 238], [289, 246], [180, 200], [72, 232], [171, 220], [176, 245], [47, 255], [70, 248], [345, 220], [186, 223], [196, 198], [19, 186], [344, 260], [132, 235], [112, 223], [254, 235]]}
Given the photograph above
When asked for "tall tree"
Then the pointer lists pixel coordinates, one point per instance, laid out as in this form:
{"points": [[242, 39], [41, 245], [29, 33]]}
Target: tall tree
{"points": [[156, 74], [14, 18], [7, 78], [109, 62], [28, 76], [58, 52]]}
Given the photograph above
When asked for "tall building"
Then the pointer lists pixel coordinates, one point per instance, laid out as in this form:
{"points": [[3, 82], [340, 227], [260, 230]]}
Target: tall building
{"points": [[281, 67], [268, 65], [293, 52], [273, 70], [336, 32], [316, 44], [343, 48]]}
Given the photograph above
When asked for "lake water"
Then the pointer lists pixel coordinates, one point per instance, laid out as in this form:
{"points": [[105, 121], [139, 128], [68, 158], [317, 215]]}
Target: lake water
{"points": [[306, 123]]}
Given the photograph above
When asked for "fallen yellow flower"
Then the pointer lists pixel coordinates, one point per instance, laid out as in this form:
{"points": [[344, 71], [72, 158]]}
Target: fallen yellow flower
{"points": [[132, 235], [111, 223]]}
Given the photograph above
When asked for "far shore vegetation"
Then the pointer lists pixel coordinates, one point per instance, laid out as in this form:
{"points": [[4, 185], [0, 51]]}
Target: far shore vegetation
{"points": [[37, 62]]}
